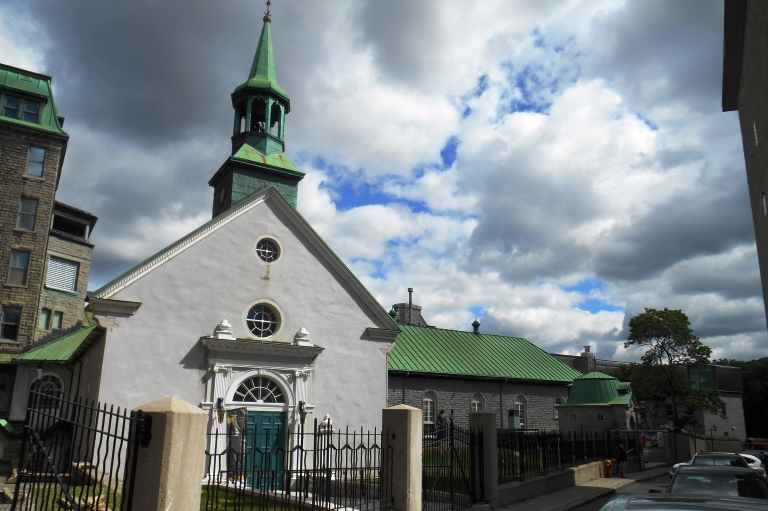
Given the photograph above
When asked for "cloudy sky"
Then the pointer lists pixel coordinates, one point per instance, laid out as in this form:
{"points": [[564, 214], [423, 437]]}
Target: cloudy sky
{"points": [[548, 167]]}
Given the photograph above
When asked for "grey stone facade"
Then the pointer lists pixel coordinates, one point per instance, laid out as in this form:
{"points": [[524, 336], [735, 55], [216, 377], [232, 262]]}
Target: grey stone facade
{"points": [[14, 148], [498, 397]]}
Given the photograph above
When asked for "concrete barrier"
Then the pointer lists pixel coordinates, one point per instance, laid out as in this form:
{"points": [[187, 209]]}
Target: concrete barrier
{"points": [[536, 486]]}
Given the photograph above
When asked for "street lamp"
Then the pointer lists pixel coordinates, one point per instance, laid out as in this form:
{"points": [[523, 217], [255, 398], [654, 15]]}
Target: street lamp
{"points": [[220, 409], [712, 436], [302, 412]]}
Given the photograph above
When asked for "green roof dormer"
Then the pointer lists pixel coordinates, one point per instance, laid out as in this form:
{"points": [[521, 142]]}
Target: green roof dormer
{"points": [[26, 100], [258, 137]]}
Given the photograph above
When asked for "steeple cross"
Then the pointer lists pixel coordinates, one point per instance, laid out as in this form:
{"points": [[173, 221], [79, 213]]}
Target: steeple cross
{"points": [[269, 3]]}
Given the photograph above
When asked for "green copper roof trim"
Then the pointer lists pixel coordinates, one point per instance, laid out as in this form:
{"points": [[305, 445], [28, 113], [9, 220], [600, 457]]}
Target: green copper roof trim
{"points": [[262, 75], [437, 351], [5, 358], [279, 161], [597, 375], [60, 350], [28, 83]]}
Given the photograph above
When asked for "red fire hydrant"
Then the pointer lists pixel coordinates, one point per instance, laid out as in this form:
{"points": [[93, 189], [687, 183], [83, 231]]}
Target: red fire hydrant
{"points": [[608, 465]]}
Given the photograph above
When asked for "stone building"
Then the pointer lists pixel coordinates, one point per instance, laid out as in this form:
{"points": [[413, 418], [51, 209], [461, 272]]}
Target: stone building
{"points": [[44, 243], [438, 369], [654, 414], [598, 401], [745, 79]]}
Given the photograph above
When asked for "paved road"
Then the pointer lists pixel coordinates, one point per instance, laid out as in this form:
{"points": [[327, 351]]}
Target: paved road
{"points": [[660, 483]]}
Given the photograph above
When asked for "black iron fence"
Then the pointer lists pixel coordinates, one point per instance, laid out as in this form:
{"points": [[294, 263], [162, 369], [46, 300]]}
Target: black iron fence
{"points": [[78, 454], [530, 453], [272, 469], [452, 468]]}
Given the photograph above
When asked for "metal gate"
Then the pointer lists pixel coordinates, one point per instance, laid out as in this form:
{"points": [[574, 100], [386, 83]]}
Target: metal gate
{"points": [[452, 469], [78, 454]]}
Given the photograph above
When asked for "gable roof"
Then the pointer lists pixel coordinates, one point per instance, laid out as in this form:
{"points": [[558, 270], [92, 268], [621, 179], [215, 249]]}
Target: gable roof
{"points": [[436, 351], [65, 348], [268, 193]]}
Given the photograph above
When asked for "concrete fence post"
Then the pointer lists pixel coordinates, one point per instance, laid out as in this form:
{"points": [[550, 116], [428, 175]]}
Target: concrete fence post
{"points": [[401, 459], [169, 470], [486, 422]]}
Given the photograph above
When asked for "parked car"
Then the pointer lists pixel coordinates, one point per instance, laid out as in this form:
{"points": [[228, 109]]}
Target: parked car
{"points": [[667, 502], [727, 459], [754, 463], [719, 480]]}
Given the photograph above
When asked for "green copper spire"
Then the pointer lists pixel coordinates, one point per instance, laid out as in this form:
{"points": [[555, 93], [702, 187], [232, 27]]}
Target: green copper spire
{"points": [[258, 136], [262, 75]]}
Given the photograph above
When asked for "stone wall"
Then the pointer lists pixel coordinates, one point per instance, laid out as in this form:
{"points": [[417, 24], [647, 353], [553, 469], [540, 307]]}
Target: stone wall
{"points": [[456, 394], [69, 303], [14, 148]]}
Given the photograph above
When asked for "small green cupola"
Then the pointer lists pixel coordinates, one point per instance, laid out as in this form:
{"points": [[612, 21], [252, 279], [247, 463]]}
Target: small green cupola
{"points": [[258, 137]]}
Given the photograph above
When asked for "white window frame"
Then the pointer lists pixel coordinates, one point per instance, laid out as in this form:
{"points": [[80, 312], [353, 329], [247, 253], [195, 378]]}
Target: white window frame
{"points": [[558, 402], [520, 406], [34, 163], [429, 406], [4, 321], [62, 274], [261, 386], [14, 270], [27, 213], [477, 404]]}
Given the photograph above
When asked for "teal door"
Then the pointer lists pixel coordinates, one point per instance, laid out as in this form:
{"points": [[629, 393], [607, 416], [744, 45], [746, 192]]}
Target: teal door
{"points": [[266, 450]]}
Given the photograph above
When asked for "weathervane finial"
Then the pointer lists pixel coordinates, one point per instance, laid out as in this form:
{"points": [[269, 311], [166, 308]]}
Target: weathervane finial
{"points": [[267, 16]]}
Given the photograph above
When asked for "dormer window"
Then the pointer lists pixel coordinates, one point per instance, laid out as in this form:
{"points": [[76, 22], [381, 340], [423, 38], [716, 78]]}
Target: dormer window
{"points": [[20, 108], [70, 226]]}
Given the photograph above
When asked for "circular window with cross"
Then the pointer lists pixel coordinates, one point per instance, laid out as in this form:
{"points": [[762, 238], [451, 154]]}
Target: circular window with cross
{"points": [[263, 320], [268, 250]]}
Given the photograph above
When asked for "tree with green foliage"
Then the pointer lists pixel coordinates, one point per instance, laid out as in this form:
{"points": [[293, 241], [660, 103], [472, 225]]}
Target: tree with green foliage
{"points": [[754, 377], [670, 349]]}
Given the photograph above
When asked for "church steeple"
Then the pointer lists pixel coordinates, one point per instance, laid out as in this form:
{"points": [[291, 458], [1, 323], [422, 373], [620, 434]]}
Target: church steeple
{"points": [[258, 138]]}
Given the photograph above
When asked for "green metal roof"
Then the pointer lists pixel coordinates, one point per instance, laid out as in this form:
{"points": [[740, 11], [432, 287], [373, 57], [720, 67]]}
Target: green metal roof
{"points": [[598, 389], [452, 352], [279, 160], [27, 83], [62, 349], [262, 75]]}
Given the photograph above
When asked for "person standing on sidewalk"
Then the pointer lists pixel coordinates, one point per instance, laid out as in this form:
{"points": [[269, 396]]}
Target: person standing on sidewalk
{"points": [[622, 459]]}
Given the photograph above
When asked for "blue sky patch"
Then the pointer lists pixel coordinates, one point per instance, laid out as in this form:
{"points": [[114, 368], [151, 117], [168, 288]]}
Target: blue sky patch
{"points": [[585, 286], [477, 310], [595, 305], [449, 151]]}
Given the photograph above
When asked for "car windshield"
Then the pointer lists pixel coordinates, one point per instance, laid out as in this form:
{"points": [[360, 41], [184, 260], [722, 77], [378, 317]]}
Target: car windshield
{"points": [[724, 485]]}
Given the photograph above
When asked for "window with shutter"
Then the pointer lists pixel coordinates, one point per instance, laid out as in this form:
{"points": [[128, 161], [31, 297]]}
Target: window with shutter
{"points": [[62, 274]]}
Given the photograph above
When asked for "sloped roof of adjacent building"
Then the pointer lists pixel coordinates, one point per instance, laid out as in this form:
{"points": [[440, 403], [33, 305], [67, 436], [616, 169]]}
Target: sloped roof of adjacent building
{"points": [[431, 350], [65, 348], [36, 85], [598, 389], [293, 216]]}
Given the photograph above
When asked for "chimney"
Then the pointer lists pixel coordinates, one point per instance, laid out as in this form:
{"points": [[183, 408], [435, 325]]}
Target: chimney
{"points": [[409, 313], [586, 364]]}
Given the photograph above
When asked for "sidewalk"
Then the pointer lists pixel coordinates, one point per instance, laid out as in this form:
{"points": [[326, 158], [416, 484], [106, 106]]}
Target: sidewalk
{"points": [[567, 499]]}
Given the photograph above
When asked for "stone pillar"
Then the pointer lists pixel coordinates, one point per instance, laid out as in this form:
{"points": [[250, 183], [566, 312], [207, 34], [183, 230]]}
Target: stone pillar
{"points": [[169, 471], [486, 422], [401, 459]]}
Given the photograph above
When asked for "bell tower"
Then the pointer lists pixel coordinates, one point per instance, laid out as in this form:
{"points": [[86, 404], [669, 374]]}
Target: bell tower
{"points": [[258, 155]]}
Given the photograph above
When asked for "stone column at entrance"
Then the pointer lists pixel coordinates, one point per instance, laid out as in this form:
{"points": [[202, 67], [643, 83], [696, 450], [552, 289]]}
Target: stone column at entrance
{"points": [[401, 459]]}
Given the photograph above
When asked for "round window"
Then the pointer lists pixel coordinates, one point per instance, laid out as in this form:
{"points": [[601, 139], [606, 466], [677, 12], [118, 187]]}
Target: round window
{"points": [[268, 250], [601, 417], [573, 417], [262, 320]]}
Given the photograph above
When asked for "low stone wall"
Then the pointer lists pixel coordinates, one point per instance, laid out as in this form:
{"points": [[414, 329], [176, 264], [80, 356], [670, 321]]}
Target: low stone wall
{"points": [[537, 486]]}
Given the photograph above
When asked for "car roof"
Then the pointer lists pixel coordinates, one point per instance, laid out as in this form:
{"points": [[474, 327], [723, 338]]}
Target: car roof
{"points": [[664, 501], [716, 469]]}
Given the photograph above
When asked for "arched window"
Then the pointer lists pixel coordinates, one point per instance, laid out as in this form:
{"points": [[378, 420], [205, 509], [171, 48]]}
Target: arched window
{"points": [[477, 404], [429, 402], [519, 408], [259, 389], [558, 402], [47, 391]]}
